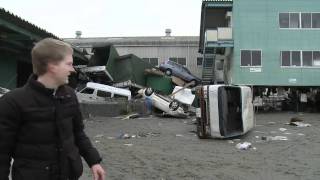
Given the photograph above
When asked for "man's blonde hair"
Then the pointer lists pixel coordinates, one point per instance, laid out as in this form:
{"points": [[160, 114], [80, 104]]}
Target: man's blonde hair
{"points": [[46, 51]]}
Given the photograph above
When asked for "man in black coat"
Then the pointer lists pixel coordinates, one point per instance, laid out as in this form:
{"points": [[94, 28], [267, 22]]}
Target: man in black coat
{"points": [[41, 126]]}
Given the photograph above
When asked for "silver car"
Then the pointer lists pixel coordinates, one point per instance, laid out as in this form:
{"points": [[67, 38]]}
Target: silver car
{"points": [[172, 68], [166, 104]]}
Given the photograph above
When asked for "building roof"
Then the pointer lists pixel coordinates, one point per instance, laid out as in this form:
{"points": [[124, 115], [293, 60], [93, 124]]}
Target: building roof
{"points": [[136, 41], [17, 31], [19, 22], [217, 0]]}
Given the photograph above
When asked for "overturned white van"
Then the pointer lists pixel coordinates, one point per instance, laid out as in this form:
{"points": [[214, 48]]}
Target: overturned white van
{"points": [[225, 111], [101, 92]]}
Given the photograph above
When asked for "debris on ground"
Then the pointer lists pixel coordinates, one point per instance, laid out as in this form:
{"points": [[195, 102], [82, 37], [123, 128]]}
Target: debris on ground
{"points": [[296, 119], [282, 129], [138, 135], [244, 145], [99, 136], [132, 116], [274, 138], [123, 136], [299, 124], [147, 134]]}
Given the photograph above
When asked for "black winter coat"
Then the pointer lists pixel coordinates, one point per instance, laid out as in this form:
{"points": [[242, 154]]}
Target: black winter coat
{"points": [[40, 128]]}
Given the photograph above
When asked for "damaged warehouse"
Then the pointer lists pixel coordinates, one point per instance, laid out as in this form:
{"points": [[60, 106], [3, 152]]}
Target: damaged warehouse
{"points": [[17, 38], [156, 108]]}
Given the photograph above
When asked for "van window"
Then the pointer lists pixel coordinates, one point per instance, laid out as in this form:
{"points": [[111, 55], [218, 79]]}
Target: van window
{"points": [[119, 96], [103, 94], [87, 91]]}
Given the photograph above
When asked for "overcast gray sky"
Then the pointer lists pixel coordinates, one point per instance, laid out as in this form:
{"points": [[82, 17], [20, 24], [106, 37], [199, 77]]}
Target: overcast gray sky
{"points": [[103, 18]]}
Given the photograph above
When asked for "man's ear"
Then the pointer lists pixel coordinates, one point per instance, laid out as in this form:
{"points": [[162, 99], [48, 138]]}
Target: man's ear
{"points": [[51, 67]]}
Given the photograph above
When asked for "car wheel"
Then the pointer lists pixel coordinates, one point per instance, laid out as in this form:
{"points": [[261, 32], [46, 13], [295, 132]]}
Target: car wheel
{"points": [[148, 91], [174, 105], [194, 82], [168, 72]]}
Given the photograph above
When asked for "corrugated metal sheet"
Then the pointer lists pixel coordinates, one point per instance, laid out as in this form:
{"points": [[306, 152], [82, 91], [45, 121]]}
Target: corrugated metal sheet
{"points": [[9, 17], [217, 0]]}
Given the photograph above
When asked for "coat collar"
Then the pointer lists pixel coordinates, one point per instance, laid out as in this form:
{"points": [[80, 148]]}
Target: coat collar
{"points": [[60, 93]]}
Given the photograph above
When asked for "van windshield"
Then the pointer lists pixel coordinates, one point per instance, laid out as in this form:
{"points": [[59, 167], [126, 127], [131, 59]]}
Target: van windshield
{"points": [[87, 91]]}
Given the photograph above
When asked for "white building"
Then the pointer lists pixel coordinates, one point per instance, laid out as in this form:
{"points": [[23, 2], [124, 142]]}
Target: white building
{"points": [[154, 49]]}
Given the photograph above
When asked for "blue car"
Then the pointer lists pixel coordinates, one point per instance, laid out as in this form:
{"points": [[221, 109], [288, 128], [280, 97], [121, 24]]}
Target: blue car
{"points": [[172, 68]]}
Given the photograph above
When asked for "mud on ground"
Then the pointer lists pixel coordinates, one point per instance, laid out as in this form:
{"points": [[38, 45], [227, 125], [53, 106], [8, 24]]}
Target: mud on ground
{"points": [[167, 148]]}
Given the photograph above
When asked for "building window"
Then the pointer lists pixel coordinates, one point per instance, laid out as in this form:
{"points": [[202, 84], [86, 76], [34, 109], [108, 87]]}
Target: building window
{"points": [[285, 56], [284, 20], [294, 20], [179, 60], [152, 61], [305, 20], [316, 58], [199, 61], [315, 20], [306, 58], [250, 57], [300, 58], [295, 58], [299, 20]]}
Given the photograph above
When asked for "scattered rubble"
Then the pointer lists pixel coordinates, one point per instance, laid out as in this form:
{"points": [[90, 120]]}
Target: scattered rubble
{"points": [[274, 138], [295, 121], [282, 129], [299, 124], [244, 145]]}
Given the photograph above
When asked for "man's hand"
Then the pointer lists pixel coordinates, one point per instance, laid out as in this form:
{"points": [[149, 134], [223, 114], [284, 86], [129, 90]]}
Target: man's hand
{"points": [[98, 172]]}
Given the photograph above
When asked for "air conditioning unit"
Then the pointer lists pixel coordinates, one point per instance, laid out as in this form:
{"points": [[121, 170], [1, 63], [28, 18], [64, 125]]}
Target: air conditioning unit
{"points": [[211, 35]]}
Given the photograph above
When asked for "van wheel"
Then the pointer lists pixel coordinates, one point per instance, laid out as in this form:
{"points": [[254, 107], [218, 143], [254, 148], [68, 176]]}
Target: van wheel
{"points": [[174, 105], [194, 82], [168, 72], [149, 91]]}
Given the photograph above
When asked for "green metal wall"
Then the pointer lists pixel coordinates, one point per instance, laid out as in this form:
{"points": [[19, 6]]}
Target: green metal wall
{"points": [[8, 72], [256, 26]]}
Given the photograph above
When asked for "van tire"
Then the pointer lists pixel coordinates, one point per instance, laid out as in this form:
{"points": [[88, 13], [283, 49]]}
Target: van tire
{"points": [[194, 82], [174, 105], [149, 91]]}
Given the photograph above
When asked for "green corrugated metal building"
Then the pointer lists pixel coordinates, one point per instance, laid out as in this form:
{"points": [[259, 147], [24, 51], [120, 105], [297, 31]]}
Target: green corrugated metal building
{"points": [[17, 38], [265, 42]]}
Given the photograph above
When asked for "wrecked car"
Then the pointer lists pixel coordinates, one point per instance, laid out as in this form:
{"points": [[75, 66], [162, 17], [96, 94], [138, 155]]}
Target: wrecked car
{"points": [[3, 91], [172, 68], [95, 92], [225, 111], [167, 105]]}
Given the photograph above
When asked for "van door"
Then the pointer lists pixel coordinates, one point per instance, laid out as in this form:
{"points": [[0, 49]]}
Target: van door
{"points": [[86, 94]]}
